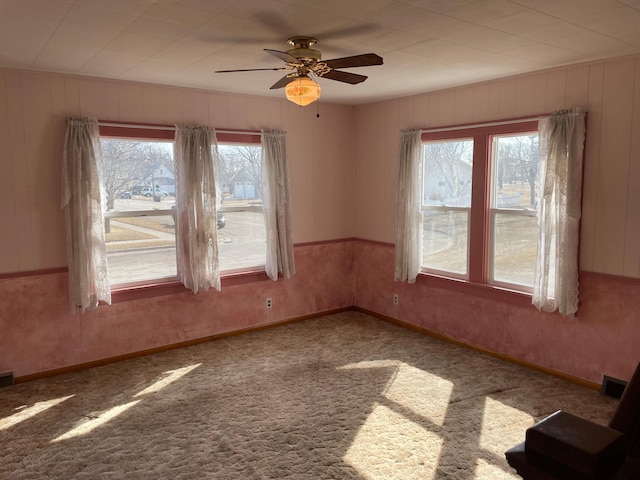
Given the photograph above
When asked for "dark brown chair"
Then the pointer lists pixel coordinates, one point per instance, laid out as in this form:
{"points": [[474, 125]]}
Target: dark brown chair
{"points": [[566, 447]]}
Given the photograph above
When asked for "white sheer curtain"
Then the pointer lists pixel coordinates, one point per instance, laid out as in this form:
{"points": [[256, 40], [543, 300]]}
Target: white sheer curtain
{"points": [[559, 198], [276, 206], [82, 200], [409, 211], [196, 229]]}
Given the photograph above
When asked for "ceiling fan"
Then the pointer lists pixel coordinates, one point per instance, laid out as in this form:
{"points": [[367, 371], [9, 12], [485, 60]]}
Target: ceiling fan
{"points": [[302, 61]]}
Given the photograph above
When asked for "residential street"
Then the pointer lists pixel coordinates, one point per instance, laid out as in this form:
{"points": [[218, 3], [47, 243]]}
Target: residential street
{"points": [[241, 243]]}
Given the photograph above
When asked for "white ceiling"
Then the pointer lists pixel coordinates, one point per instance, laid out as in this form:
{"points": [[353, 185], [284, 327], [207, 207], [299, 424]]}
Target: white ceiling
{"points": [[426, 44]]}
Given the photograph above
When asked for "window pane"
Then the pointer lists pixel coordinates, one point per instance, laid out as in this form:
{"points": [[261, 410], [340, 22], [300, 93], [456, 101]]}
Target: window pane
{"points": [[445, 241], [241, 232], [131, 168], [514, 171], [447, 173], [138, 175], [140, 248], [515, 240], [242, 241]]}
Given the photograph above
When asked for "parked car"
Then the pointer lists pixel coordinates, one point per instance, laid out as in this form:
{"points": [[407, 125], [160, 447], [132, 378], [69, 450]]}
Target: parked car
{"points": [[126, 194], [148, 192]]}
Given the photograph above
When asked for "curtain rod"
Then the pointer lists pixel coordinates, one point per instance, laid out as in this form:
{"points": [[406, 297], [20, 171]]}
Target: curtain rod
{"points": [[487, 124], [172, 128], [238, 132]]}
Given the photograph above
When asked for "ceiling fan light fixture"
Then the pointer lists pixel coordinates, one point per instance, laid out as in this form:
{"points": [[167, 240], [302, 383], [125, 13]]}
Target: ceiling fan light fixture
{"points": [[302, 91]]}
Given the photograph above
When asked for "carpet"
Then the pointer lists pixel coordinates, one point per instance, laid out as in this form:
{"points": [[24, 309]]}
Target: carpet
{"points": [[343, 396]]}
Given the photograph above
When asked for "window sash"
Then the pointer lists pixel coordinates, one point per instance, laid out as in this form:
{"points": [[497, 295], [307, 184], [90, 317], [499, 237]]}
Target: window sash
{"points": [[464, 275], [492, 242], [519, 252], [230, 263], [158, 264], [140, 280]]}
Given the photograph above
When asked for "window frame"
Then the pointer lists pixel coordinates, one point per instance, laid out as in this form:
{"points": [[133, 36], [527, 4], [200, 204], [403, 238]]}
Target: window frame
{"points": [[148, 133], [240, 139], [447, 208], [494, 211], [170, 285], [480, 233]]}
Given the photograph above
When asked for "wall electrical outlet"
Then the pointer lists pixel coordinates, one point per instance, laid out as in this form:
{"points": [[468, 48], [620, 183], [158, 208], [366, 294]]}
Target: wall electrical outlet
{"points": [[269, 302], [396, 299]]}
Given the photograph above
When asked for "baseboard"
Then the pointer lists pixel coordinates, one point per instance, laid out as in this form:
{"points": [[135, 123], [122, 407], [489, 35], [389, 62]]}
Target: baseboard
{"points": [[173, 346], [491, 353]]}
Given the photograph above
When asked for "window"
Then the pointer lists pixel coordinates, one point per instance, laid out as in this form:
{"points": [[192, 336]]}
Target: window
{"points": [[139, 181], [478, 204], [242, 239], [513, 224], [446, 205]]}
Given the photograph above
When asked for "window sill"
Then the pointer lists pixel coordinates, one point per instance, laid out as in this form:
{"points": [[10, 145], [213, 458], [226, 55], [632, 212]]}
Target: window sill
{"points": [[490, 292], [127, 293]]}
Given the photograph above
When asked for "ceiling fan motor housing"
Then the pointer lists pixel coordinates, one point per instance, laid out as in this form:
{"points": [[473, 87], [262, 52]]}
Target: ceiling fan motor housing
{"points": [[305, 54], [302, 48]]}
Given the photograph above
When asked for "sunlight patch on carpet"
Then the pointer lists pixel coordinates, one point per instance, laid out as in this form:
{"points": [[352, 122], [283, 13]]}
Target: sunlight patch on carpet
{"points": [[27, 412], [371, 364], [422, 392], [170, 377], [497, 420], [93, 423], [390, 446]]}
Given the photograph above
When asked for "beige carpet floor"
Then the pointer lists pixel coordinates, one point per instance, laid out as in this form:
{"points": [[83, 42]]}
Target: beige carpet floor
{"points": [[344, 396]]}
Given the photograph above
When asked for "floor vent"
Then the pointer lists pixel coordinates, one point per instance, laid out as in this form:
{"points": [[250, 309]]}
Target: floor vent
{"points": [[613, 387], [6, 379]]}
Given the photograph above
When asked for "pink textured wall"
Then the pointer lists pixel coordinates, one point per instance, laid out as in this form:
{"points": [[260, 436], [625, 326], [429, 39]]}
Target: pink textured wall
{"points": [[39, 334], [604, 339]]}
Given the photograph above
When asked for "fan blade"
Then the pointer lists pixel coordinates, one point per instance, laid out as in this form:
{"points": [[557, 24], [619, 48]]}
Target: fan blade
{"points": [[364, 60], [345, 77], [276, 69], [284, 56], [274, 22], [278, 24], [283, 82]]}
